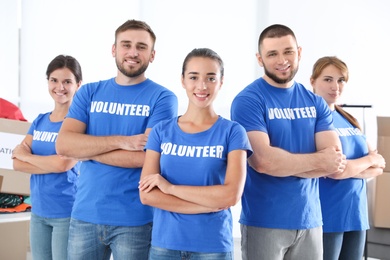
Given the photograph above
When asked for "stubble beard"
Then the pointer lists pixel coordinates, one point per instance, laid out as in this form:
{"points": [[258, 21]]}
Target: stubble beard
{"points": [[280, 80], [129, 73]]}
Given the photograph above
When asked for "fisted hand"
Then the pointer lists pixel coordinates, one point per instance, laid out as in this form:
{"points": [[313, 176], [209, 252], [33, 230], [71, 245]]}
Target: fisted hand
{"points": [[147, 183], [21, 151], [135, 142], [377, 160], [334, 161]]}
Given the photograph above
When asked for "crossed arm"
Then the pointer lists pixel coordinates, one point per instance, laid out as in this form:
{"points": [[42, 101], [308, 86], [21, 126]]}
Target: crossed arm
{"points": [[122, 151], [25, 161], [278, 162], [158, 192], [365, 167]]}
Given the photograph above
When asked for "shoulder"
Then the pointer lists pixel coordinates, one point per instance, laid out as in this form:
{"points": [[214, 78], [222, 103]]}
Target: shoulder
{"points": [[41, 118], [229, 124], [165, 123]]}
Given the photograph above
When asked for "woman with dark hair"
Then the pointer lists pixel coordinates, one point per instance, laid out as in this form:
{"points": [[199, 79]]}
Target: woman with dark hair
{"points": [[195, 170], [53, 178], [343, 196]]}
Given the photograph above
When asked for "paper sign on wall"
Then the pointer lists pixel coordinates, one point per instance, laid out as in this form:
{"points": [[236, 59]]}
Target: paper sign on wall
{"points": [[8, 142]]}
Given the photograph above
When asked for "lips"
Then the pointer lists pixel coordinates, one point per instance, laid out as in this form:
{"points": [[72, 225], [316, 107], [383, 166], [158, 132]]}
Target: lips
{"points": [[60, 93], [131, 62], [201, 95], [283, 68]]}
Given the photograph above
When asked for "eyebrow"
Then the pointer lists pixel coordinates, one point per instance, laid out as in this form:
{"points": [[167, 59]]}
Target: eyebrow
{"points": [[138, 43], [285, 49], [210, 73]]}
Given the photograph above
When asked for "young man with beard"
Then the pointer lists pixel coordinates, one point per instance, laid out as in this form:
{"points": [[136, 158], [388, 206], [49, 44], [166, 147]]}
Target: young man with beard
{"points": [[294, 142], [107, 128]]}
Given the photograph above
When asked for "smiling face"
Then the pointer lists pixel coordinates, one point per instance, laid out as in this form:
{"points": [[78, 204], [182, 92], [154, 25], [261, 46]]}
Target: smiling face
{"points": [[329, 84], [133, 51], [62, 85], [202, 80], [280, 59]]}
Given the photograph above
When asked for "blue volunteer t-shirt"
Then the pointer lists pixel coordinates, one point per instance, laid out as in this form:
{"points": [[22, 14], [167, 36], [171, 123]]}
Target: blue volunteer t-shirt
{"points": [[198, 159], [344, 202], [52, 195], [291, 117], [108, 194]]}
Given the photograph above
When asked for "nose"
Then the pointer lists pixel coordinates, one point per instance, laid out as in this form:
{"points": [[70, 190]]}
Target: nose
{"points": [[281, 59], [335, 86], [134, 52], [202, 85]]}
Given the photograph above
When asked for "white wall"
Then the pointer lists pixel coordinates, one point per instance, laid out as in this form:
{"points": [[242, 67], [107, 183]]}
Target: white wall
{"points": [[354, 30], [9, 51]]}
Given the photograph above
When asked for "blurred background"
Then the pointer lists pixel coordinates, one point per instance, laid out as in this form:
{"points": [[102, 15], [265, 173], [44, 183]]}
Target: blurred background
{"points": [[33, 32]]}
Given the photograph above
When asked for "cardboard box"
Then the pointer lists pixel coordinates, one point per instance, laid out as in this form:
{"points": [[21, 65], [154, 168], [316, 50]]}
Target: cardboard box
{"points": [[378, 189], [383, 145], [381, 205], [12, 132]]}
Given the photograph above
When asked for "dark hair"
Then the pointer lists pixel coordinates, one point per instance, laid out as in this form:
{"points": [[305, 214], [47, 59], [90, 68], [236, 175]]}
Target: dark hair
{"points": [[65, 61], [319, 66], [275, 31], [205, 53], [135, 25]]}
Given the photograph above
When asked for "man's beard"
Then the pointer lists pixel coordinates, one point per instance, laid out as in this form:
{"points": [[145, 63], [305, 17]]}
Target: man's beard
{"points": [[128, 73], [279, 80]]}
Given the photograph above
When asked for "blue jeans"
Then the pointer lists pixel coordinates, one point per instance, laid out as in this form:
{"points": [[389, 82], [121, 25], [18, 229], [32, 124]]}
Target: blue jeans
{"points": [[49, 237], [92, 241], [344, 245], [157, 253]]}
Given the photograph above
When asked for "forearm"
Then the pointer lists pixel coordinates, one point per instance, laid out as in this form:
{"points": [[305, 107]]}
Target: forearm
{"points": [[81, 146], [369, 173], [45, 164], [312, 174], [158, 199], [121, 158], [281, 163], [354, 168], [214, 196], [26, 167]]}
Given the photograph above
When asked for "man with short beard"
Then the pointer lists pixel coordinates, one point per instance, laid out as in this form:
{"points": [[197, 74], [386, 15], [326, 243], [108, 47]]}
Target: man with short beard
{"points": [[293, 139], [107, 128]]}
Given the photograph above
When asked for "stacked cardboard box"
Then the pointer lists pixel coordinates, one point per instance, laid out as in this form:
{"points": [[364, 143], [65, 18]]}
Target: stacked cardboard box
{"points": [[381, 185], [14, 230], [12, 133]]}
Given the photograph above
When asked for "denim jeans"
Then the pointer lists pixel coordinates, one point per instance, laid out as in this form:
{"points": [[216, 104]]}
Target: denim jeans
{"points": [[49, 238], [344, 245], [281, 244], [92, 241], [157, 253]]}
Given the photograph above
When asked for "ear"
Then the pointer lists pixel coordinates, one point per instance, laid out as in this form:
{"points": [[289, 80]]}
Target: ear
{"points": [[299, 52], [182, 81], [259, 59], [312, 81], [113, 49], [79, 84], [222, 78], [152, 55]]}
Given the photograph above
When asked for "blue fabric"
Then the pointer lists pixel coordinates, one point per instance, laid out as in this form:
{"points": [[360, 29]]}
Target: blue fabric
{"points": [[344, 202], [49, 237], [195, 159], [291, 117], [107, 194], [52, 195], [157, 253], [92, 241]]}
